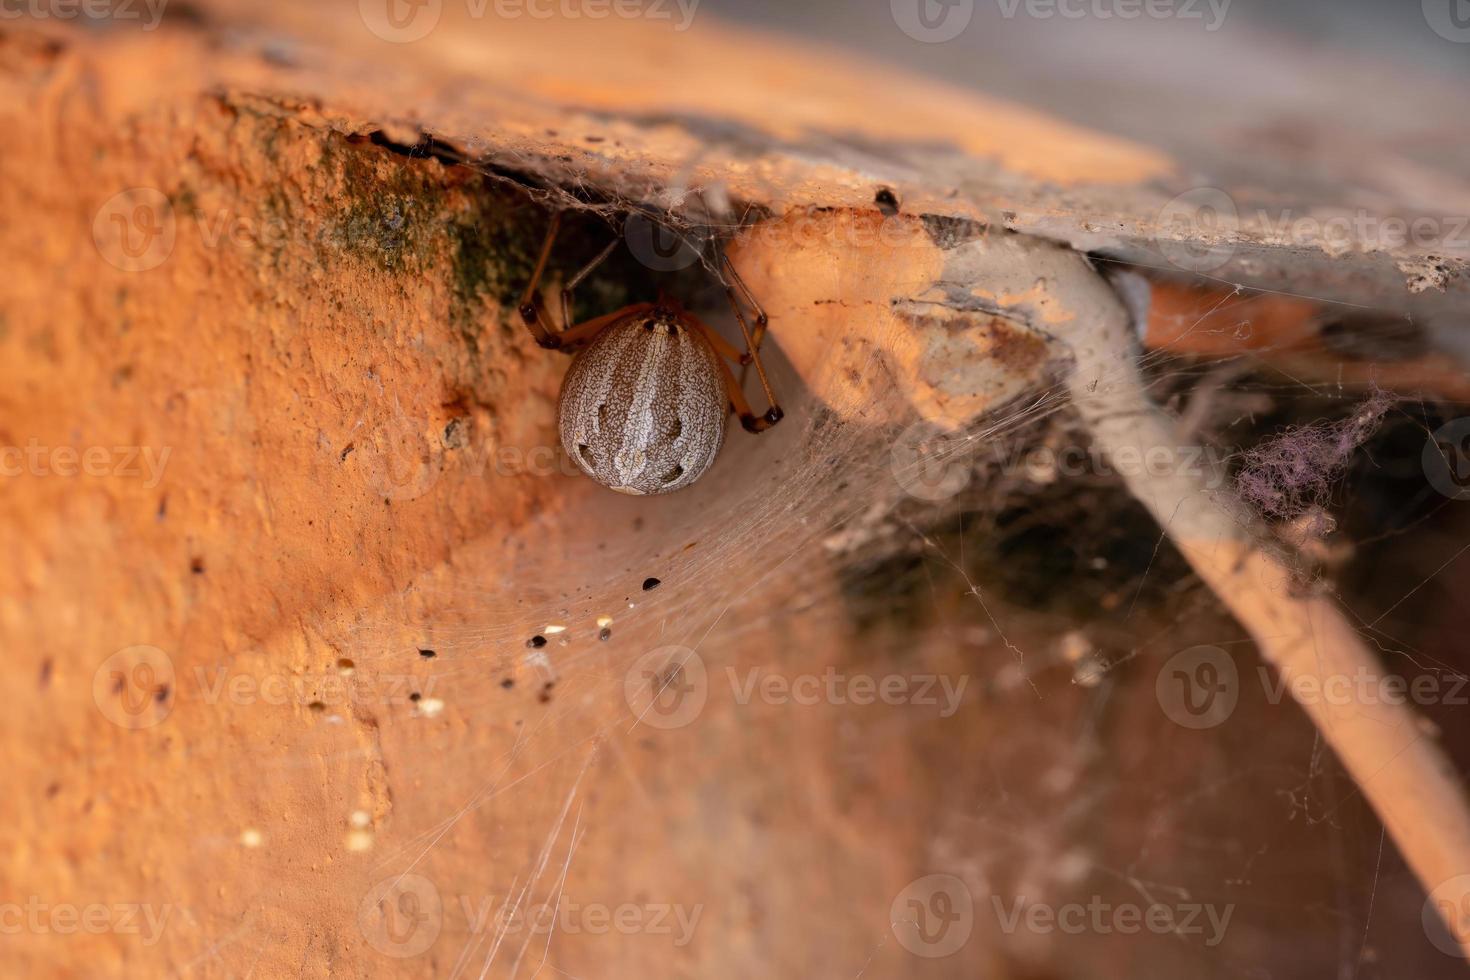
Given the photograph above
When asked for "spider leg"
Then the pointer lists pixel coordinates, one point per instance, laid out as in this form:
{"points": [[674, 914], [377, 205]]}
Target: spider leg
{"points": [[752, 356], [760, 315], [533, 309], [722, 346], [577, 335], [572, 283], [748, 419]]}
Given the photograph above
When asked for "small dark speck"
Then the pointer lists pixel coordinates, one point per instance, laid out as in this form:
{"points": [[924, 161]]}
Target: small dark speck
{"points": [[46, 667], [455, 436], [346, 451], [196, 565], [317, 706], [161, 695], [52, 790], [596, 139], [279, 53], [536, 642], [545, 694], [428, 654], [508, 683], [606, 634], [415, 696], [649, 584], [886, 202]]}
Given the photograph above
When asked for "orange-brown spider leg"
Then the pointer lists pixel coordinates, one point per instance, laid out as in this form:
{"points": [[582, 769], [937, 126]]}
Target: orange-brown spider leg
{"points": [[753, 342], [748, 419], [760, 314], [575, 281], [533, 309], [722, 346], [575, 336]]}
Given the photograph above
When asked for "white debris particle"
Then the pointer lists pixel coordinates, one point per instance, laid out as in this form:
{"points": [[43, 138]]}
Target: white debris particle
{"points": [[250, 837]]}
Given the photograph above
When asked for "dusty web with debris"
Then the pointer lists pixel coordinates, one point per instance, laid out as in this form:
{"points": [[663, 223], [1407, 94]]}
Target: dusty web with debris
{"points": [[555, 688]]}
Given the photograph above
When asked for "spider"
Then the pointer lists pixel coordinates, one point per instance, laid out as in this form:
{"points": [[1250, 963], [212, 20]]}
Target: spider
{"points": [[643, 405]]}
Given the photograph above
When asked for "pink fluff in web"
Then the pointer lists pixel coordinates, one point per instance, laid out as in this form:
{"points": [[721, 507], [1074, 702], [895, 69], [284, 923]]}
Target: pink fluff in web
{"points": [[1294, 471]]}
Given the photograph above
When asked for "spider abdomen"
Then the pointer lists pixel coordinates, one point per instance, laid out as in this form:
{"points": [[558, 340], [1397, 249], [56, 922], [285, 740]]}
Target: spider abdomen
{"points": [[642, 409]]}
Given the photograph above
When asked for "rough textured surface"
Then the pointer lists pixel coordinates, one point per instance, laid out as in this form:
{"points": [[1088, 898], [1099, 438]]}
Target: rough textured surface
{"points": [[259, 682]]}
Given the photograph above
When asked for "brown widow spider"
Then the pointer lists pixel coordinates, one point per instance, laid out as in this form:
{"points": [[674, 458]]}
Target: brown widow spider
{"points": [[643, 405]]}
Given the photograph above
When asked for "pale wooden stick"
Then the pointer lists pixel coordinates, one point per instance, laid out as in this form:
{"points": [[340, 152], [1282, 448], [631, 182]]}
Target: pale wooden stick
{"points": [[1391, 755]]}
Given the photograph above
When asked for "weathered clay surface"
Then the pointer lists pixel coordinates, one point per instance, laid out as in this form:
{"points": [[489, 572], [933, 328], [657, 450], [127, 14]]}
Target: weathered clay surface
{"points": [[289, 663]]}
